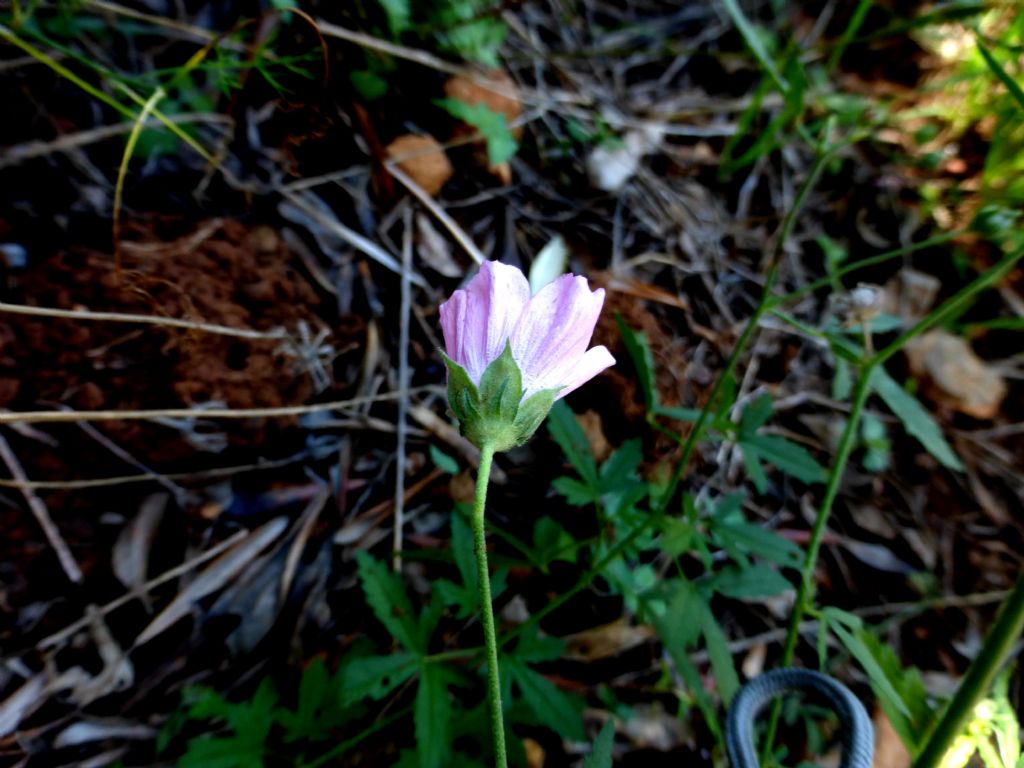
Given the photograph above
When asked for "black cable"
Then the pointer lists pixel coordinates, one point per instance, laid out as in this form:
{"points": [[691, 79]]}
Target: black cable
{"points": [[752, 698]]}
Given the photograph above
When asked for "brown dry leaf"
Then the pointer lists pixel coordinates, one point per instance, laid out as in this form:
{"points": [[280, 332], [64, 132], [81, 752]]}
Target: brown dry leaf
{"points": [[495, 90], [423, 159], [217, 575], [954, 376], [889, 749], [535, 753], [605, 640], [590, 421]]}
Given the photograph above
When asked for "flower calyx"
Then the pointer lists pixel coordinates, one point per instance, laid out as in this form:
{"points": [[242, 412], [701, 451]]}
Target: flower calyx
{"points": [[494, 412]]}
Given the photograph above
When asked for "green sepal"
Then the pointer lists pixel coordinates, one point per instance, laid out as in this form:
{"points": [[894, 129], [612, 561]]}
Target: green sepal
{"points": [[494, 413], [463, 396], [532, 412], [501, 388]]}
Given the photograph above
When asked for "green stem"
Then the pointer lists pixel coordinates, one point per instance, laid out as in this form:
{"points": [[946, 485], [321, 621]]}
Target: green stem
{"points": [[486, 609], [805, 592], [978, 681]]}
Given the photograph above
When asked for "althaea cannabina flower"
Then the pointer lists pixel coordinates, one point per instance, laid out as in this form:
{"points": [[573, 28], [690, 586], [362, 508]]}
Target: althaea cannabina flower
{"points": [[510, 355]]}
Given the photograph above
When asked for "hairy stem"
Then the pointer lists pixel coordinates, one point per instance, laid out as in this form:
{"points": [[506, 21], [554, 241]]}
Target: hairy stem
{"points": [[486, 609]]}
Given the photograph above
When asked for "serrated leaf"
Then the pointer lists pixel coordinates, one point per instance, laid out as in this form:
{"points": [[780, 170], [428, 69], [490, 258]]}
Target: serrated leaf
{"points": [[726, 679], [756, 414], [432, 715], [601, 755], [567, 432], [643, 361], [757, 541], [916, 420], [552, 707], [679, 626], [492, 125], [789, 457], [575, 492], [388, 600], [374, 677], [622, 465], [746, 583]]}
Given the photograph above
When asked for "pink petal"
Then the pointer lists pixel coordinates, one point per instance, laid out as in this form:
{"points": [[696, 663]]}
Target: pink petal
{"points": [[554, 331], [476, 321], [587, 367]]}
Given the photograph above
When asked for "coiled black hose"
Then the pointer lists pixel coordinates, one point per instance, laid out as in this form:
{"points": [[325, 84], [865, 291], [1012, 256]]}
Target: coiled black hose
{"points": [[752, 698]]}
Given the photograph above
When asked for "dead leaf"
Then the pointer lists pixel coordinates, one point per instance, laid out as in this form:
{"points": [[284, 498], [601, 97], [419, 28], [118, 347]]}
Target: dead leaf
{"points": [[535, 753], [423, 159], [605, 641], [130, 557], [435, 250], [954, 376], [85, 731], [495, 90], [889, 749], [217, 575], [20, 704]]}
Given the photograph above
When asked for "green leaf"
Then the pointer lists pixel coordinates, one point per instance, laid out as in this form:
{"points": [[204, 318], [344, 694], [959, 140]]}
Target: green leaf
{"points": [[432, 715], [443, 461], [386, 596], [399, 14], [679, 626], [755, 581], [313, 692], [575, 492], [552, 542], [463, 551], [755, 471], [643, 361], [370, 85], [1003, 76], [757, 541], [492, 125], [790, 457], [567, 432], [752, 37], [552, 707], [374, 677], [852, 640], [916, 420], [601, 755], [726, 679], [756, 414], [679, 414], [908, 684]]}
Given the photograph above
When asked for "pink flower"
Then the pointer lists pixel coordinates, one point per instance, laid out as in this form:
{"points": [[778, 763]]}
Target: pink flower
{"points": [[548, 333]]}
